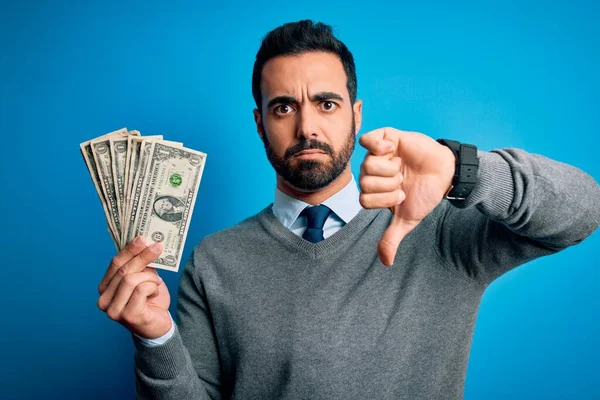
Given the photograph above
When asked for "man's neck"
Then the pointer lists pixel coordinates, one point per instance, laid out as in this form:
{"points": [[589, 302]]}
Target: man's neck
{"points": [[320, 195]]}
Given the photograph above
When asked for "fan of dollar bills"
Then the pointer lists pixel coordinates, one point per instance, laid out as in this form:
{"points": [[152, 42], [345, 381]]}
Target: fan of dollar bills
{"points": [[147, 187]]}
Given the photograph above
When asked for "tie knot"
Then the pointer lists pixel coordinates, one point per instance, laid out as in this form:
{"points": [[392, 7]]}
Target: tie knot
{"points": [[316, 216]]}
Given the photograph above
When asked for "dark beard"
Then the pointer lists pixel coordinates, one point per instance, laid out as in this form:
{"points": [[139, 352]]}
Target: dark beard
{"points": [[311, 175]]}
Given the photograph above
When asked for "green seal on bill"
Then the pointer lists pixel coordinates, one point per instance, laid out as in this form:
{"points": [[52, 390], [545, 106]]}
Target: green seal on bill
{"points": [[175, 180]]}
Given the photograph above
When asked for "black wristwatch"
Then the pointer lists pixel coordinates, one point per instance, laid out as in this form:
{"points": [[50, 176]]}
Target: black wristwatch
{"points": [[465, 172]]}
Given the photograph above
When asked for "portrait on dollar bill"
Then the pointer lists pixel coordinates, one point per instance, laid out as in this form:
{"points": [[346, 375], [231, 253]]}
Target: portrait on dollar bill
{"points": [[168, 208]]}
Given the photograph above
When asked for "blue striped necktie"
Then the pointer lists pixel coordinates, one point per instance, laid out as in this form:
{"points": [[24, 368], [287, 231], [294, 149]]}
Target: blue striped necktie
{"points": [[315, 219]]}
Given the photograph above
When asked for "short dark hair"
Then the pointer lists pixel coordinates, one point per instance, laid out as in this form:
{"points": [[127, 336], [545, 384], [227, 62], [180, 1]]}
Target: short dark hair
{"points": [[300, 37]]}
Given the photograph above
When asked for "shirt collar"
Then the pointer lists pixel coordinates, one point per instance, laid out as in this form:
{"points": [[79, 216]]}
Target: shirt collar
{"points": [[345, 204]]}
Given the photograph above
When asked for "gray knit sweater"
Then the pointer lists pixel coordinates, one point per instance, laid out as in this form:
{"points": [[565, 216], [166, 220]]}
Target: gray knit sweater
{"points": [[264, 314]]}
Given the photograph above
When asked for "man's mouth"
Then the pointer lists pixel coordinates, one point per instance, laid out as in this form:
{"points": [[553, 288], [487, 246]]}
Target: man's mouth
{"points": [[307, 153]]}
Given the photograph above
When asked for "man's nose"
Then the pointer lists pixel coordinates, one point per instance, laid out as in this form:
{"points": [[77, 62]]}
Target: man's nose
{"points": [[307, 126]]}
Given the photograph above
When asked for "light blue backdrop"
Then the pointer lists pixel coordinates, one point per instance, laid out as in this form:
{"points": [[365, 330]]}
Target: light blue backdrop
{"points": [[498, 74]]}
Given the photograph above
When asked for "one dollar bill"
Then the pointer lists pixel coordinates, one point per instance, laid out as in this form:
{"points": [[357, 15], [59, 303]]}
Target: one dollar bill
{"points": [[171, 185]]}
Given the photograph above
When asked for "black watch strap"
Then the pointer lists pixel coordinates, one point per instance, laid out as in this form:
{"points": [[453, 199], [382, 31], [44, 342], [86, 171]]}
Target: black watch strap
{"points": [[465, 173]]}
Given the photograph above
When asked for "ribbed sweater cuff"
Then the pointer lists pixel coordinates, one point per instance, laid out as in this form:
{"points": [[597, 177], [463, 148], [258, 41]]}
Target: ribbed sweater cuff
{"points": [[165, 361], [494, 191]]}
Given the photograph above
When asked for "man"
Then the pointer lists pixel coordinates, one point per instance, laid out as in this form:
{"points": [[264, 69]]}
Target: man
{"points": [[169, 208], [317, 297]]}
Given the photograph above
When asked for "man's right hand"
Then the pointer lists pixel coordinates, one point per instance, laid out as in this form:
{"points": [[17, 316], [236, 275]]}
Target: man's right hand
{"points": [[133, 294]]}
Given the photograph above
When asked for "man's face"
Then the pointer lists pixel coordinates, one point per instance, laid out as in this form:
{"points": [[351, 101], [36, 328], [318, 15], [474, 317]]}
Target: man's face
{"points": [[164, 205], [308, 124]]}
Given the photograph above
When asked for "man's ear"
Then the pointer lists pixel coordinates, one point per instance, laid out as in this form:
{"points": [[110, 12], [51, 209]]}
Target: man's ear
{"points": [[357, 107], [258, 122]]}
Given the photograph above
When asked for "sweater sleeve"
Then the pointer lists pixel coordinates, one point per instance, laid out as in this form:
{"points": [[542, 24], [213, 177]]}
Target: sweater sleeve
{"points": [[524, 206], [186, 366]]}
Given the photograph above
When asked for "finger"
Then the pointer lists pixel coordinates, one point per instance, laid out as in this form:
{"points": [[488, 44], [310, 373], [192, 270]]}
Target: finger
{"points": [[376, 144], [381, 165], [370, 140], [371, 137], [143, 290], [124, 291], [391, 238], [382, 200], [132, 249], [141, 261], [378, 184], [106, 298], [136, 310], [136, 264]]}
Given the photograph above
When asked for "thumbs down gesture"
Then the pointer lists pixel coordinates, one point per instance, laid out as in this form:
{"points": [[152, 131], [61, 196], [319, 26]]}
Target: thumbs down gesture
{"points": [[407, 172]]}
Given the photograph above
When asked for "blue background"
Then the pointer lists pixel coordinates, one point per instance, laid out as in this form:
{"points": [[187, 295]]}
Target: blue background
{"points": [[496, 74]]}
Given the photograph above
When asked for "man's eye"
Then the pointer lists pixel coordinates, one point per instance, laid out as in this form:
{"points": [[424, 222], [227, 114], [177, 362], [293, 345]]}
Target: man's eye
{"points": [[283, 109], [329, 105]]}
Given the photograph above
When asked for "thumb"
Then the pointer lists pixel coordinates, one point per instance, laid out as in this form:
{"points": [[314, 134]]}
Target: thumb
{"points": [[391, 238]]}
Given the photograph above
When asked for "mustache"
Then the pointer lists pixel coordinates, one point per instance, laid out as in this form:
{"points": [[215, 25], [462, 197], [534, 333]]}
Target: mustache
{"points": [[307, 145]]}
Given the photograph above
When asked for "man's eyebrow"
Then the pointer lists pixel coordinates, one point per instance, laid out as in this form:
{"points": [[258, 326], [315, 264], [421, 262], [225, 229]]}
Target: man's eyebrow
{"points": [[281, 100], [321, 96]]}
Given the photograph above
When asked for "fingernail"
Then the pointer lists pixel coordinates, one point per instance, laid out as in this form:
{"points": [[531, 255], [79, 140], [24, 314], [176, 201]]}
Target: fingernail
{"points": [[156, 248], [138, 240]]}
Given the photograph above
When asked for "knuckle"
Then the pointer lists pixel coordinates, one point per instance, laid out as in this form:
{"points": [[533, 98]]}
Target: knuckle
{"points": [[368, 186], [154, 287], [362, 181], [129, 280], [112, 314], [115, 261], [139, 290], [122, 272], [101, 303], [364, 201]]}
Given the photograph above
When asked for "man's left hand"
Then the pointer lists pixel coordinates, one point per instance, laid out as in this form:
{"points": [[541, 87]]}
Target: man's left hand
{"points": [[407, 172]]}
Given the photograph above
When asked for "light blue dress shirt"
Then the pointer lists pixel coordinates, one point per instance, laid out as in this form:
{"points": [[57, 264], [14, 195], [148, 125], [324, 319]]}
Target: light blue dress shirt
{"points": [[345, 205]]}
